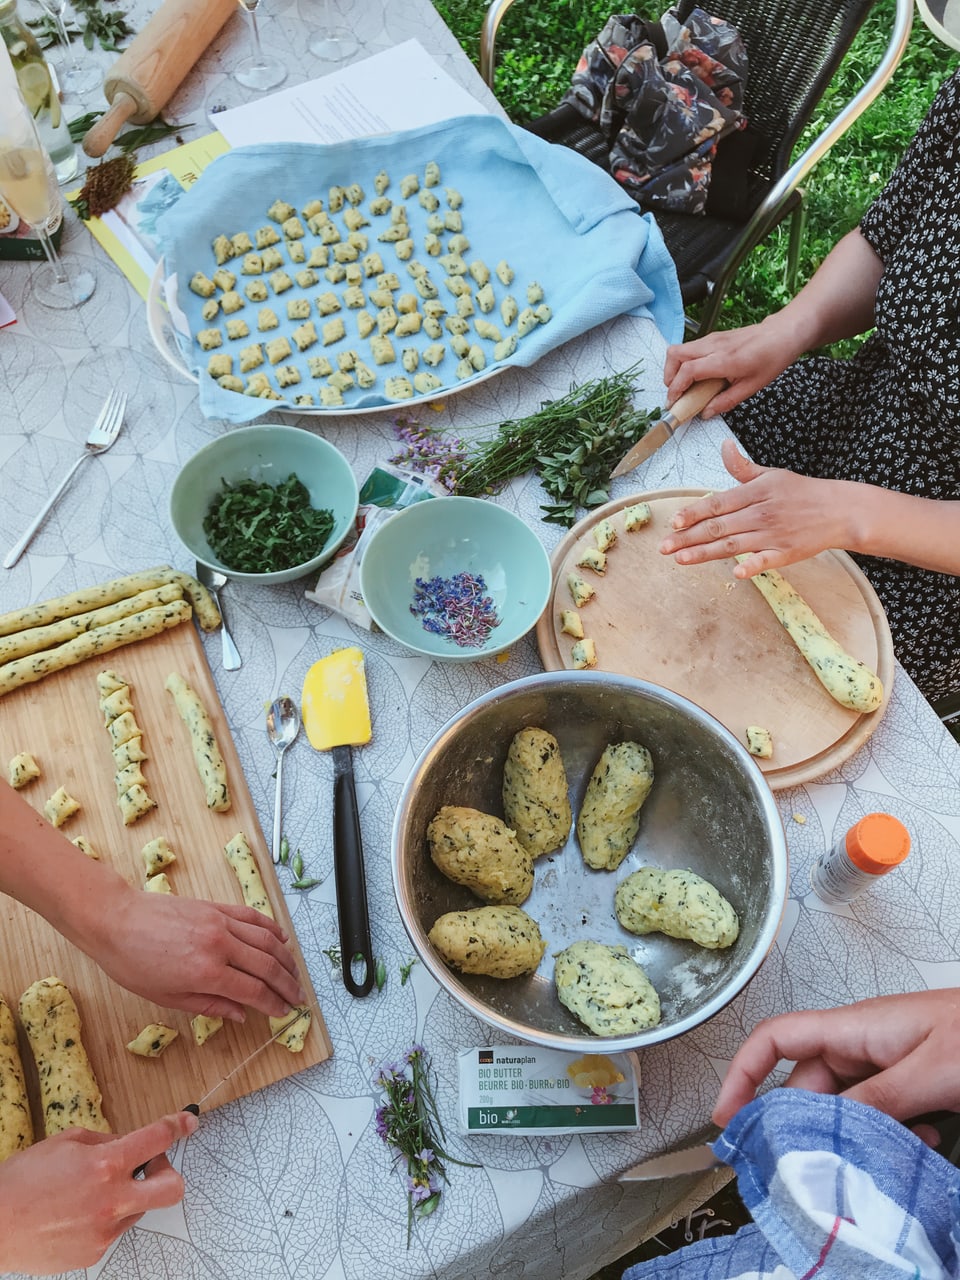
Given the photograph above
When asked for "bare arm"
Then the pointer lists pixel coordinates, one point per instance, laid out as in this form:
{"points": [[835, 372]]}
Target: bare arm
{"points": [[202, 957], [838, 302], [782, 517]]}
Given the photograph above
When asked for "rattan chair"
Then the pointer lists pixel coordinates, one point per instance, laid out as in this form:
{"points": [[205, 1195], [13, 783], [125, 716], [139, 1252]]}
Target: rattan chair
{"points": [[794, 48]]}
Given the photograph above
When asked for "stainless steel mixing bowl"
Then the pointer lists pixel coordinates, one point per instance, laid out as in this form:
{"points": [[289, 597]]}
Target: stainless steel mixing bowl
{"points": [[710, 810]]}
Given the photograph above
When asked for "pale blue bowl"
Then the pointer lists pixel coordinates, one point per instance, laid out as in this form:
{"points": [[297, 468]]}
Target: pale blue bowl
{"points": [[441, 537], [266, 452]]}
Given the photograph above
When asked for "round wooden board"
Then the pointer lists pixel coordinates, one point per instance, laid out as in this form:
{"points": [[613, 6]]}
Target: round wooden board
{"points": [[712, 638]]}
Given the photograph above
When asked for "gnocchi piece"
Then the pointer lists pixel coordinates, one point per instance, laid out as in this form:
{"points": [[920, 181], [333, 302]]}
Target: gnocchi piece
{"points": [[298, 308], [157, 854], [278, 349], [304, 336], [158, 884], [381, 181], [506, 347], [354, 195], [464, 369], [203, 1027], [296, 252], [272, 259], [431, 174], [427, 200], [381, 348], [345, 252], [387, 320], [593, 558], [256, 291], [333, 331], [238, 328], [759, 741], [504, 272], [410, 359], [229, 382], [398, 388], [265, 236], [486, 300], [480, 272], [433, 355], [571, 623], [224, 279], [477, 358], [426, 288], [267, 319], [210, 309], [365, 324], [409, 324], [432, 328], [280, 282], [220, 366], [610, 814], [252, 265], [433, 245], [380, 205], [404, 249], [424, 383], [458, 243], [319, 366], [293, 228], [327, 303], [22, 770], [330, 397], [453, 220], [319, 256], [335, 198], [678, 903], [501, 942], [152, 1040], [606, 989], [85, 847], [60, 807], [636, 516], [209, 338], [409, 185], [485, 329], [526, 322], [307, 278], [288, 375], [454, 198], [482, 853], [311, 207], [373, 265], [543, 313], [336, 272], [583, 654], [241, 243], [354, 298], [364, 375], [202, 285], [465, 305], [280, 211]]}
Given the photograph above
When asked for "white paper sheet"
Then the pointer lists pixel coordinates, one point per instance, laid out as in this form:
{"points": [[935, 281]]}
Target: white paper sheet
{"points": [[401, 88]]}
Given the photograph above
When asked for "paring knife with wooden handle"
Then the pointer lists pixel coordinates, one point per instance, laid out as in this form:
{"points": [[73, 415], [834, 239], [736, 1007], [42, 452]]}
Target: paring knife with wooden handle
{"points": [[689, 404]]}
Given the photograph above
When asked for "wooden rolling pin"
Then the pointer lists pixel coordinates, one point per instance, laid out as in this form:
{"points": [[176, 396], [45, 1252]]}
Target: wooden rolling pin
{"points": [[149, 72]]}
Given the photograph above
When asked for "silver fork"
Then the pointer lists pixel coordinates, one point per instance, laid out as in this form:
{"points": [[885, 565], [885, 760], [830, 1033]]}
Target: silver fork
{"points": [[105, 430]]}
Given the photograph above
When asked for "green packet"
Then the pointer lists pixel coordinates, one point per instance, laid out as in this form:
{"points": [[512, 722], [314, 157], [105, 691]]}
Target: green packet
{"points": [[528, 1091]]}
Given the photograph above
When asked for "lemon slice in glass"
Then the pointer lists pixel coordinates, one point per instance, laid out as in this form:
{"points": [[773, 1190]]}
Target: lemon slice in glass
{"points": [[37, 90]]}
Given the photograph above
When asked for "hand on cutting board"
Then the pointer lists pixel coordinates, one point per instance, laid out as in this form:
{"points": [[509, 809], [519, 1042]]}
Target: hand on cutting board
{"points": [[204, 957], [182, 953], [66, 1199], [778, 516], [900, 1054]]}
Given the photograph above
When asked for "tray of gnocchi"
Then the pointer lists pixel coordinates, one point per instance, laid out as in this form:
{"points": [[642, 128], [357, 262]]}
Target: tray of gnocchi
{"points": [[355, 277], [619, 605]]}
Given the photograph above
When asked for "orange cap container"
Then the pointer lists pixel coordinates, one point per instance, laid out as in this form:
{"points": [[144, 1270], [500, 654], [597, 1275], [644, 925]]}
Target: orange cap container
{"points": [[877, 843]]}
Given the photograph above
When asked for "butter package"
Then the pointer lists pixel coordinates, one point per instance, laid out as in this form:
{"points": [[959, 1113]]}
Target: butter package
{"points": [[529, 1091]]}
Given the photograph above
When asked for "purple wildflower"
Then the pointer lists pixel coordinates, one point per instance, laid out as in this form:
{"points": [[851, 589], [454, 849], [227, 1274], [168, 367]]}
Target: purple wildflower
{"points": [[424, 1156], [382, 1127]]}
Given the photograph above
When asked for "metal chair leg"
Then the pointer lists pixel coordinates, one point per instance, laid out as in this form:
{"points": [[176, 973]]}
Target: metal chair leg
{"points": [[798, 222]]}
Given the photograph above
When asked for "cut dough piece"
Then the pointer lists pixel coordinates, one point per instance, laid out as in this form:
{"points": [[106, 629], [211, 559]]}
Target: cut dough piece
{"points": [[134, 804], [759, 741], [152, 1040], [84, 845], [158, 883], [60, 807], [580, 589], [570, 623], [583, 654], [203, 1027], [157, 854], [22, 770], [604, 534], [637, 516]]}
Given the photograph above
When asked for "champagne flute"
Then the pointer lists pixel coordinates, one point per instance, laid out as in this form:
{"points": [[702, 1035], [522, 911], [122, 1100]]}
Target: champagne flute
{"points": [[260, 70], [75, 77], [28, 184], [334, 42]]}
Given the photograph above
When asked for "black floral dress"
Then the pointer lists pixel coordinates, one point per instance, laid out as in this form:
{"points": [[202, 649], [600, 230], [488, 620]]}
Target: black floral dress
{"points": [[891, 415]]}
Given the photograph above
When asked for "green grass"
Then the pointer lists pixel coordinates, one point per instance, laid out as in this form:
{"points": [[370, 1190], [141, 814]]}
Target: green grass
{"points": [[540, 40]]}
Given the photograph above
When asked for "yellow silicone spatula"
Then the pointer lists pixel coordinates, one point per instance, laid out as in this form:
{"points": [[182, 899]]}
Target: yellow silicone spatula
{"points": [[336, 717]]}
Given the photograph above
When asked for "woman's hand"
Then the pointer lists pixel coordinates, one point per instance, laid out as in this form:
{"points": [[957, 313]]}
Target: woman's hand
{"points": [[774, 517], [747, 358], [204, 957], [900, 1054], [64, 1201]]}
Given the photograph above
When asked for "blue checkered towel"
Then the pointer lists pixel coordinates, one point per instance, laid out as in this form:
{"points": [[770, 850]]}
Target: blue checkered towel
{"points": [[837, 1191]]}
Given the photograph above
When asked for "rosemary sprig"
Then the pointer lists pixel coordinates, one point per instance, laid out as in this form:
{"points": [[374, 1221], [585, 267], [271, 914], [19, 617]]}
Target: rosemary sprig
{"points": [[409, 1122]]}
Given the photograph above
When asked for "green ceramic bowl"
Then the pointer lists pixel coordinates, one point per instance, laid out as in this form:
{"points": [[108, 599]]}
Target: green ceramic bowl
{"points": [[443, 537], [266, 452]]}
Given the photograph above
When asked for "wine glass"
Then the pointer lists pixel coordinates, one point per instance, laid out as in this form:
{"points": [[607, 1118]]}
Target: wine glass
{"points": [[260, 70], [334, 42], [74, 77], [28, 184]]}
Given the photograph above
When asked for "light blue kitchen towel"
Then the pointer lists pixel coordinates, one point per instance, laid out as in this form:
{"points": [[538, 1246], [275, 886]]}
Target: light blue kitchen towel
{"points": [[837, 1191], [558, 220]]}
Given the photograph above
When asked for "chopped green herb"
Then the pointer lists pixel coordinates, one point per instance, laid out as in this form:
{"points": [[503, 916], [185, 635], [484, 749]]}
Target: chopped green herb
{"points": [[257, 527], [333, 955], [380, 974], [284, 851], [405, 970]]}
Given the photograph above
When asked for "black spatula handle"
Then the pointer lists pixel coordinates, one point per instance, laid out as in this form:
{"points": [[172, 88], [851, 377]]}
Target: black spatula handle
{"points": [[351, 884]]}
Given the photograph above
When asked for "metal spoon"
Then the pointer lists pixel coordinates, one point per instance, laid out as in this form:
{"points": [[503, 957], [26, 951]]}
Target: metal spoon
{"points": [[213, 581], [283, 725]]}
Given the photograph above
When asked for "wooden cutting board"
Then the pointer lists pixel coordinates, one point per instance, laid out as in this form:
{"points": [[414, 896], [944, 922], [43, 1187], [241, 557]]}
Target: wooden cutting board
{"points": [[59, 721], [697, 630]]}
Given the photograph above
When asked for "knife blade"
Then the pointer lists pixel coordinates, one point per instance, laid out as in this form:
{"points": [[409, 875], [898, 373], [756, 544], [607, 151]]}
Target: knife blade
{"points": [[194, 1107], [689, 404], [673, 1165]]}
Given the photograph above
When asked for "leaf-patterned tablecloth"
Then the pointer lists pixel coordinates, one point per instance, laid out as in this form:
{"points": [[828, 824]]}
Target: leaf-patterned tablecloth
{"points": [[292, 1182]]}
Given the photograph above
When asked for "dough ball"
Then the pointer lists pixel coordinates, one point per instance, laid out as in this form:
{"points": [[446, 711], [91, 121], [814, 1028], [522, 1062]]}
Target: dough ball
{"points": [[610, 815], [606, 989], [535, 800], [502, 942], [678, 903], [478, 850]]}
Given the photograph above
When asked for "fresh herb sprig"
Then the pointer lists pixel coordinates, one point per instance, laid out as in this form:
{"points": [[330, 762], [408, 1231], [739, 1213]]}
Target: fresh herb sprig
{"points": [[257, 527], [408, 1121], [572, 444], [108, 27], [131, 139]]}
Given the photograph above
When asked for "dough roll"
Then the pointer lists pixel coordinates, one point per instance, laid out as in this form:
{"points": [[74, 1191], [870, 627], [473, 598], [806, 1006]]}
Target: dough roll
{"points": [[69, 1094]]}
